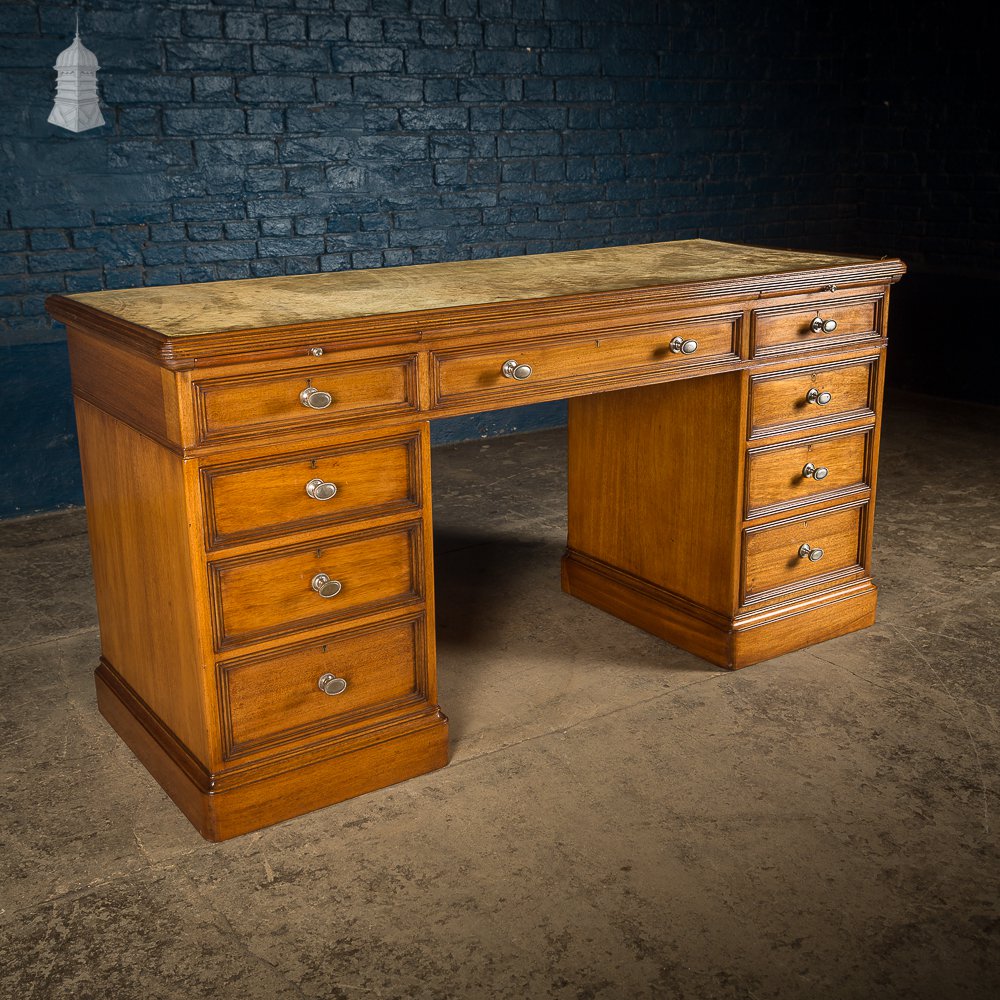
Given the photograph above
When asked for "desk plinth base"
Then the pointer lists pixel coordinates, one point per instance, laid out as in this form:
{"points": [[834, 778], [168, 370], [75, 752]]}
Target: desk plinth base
{"points": [[228, 804], [750, 637]]}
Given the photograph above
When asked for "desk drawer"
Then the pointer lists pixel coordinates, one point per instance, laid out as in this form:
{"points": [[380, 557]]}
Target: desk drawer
{"points": [[259, 498], [278, 698], [807, 470], [275, 593], [817, 395], [314, 395], [478, 373], [791, 328], [775, 560]]}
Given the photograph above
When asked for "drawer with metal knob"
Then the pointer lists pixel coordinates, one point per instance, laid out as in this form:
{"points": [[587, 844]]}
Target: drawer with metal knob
{"points": [[788, 555], [284, 590], [311, 395], [260, 497], [299, 692], [799, 327], [807, 470], [816, 395], [562, 365]]}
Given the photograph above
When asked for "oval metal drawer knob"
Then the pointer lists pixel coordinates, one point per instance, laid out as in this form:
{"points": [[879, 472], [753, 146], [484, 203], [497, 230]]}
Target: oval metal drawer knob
{"points": [[511, 369], [819, 397], [806, 551], [320, 490], [813, 471], [315, 399], [820, 325], [332, 684], [681, 346], [326, 587]]}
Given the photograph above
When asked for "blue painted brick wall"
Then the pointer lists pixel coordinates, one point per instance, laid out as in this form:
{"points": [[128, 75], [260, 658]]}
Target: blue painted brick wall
{"points": [[264, 137]]}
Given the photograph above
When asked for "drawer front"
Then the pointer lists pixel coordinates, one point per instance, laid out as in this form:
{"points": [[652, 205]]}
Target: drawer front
{"points": [[808, 470], [261, 498], [278, 698], [463, 375], [242, 405], [779, 402], [791, 328], [774, 559], [274, 593]]}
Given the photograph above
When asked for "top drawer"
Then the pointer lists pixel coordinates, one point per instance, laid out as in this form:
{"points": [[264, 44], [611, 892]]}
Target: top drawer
{"points": [[799, 327], [493, 374], [293, 399]]}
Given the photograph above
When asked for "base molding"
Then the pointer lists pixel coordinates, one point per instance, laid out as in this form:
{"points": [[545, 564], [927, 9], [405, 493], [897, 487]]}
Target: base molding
{"points": [[221, 806], [748, 637]]}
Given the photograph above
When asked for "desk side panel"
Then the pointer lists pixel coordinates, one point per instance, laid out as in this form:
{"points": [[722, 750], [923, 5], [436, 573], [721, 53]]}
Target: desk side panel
{"points": [[147, 590], [127, 385], [655, 485]]}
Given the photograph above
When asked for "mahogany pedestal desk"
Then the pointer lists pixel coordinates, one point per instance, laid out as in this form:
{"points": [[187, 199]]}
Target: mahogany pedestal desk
{"points": [[257, 477]]}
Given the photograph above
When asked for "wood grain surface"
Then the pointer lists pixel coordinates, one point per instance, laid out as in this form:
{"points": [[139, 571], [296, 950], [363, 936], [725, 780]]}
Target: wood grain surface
{"points": [[772, 553], [782, 400], [277, 698], [775, 475], [254, 497], [271, 594]]}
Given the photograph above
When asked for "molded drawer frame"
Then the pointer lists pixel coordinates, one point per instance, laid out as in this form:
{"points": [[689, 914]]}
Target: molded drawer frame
{"points": [[329, 559], [247, 728], [575, 372], [804, 530], [798, 380], [785, 329], [841, 486], [305, 513], [218, 400]]}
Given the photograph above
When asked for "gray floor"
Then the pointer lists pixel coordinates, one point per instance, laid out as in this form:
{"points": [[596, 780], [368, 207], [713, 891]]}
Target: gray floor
{"points": [[619, 819]]}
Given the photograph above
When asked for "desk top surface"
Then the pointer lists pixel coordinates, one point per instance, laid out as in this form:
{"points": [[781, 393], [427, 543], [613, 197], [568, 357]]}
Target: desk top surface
{"points": [[260, 303]]}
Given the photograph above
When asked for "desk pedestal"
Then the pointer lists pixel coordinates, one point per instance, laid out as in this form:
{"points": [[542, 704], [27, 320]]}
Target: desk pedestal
{"points": [[666, 532]]}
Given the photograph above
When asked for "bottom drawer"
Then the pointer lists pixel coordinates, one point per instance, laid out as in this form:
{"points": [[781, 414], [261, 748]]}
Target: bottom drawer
{"points": [[793, 554], [280, 697]]}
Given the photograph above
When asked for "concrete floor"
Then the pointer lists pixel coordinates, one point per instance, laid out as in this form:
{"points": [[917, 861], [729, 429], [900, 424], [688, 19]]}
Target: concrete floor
{"points": [[619, 819]]}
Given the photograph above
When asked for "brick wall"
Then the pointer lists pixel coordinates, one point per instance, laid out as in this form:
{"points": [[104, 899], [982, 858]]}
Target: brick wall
{"points": [[262, 137]]}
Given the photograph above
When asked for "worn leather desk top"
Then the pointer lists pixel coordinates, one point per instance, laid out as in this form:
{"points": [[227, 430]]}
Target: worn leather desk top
{"points": [[260, 303]]}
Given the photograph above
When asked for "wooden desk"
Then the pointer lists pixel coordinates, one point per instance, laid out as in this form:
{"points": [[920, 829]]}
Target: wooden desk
{"points": [[256, 466]]}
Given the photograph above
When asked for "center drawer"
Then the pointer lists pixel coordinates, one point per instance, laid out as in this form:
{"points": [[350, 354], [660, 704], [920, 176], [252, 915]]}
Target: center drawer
{"points": [[306, 689], [258, 498], [286, 590], [493, 373]]}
